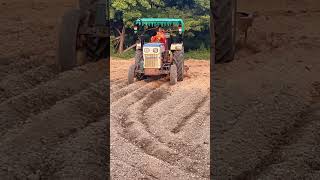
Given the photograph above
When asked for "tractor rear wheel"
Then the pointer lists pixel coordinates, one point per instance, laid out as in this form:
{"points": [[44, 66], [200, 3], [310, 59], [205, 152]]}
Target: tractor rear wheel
{"points": [[67, 50], [86, 4], [173, 74], [179, 61], [131, 73], [224, 22], [96, 48]]}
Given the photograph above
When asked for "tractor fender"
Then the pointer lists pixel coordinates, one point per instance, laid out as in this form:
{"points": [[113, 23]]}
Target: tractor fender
{"points": [[176, 47]]}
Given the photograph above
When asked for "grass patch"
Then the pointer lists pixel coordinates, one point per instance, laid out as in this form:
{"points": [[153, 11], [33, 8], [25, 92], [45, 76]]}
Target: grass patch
{"points": [[201, 54], [127, 55]]}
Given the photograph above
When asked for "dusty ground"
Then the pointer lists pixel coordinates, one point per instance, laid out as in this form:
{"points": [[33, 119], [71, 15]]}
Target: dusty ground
{"points": [[160, 131], [51, 124], [266, 103], [266, 114]]}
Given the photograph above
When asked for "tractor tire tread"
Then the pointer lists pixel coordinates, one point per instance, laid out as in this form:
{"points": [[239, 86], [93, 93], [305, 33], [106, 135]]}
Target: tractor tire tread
{"points": [[179, 61], [224, 30]]}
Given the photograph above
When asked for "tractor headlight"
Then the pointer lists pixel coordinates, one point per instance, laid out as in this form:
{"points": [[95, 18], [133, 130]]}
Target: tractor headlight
{"points": [[146, 50], [155, 50]]}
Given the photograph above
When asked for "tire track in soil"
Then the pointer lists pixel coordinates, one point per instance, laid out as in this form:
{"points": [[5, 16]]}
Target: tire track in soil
{"points": [[149, 143], [287, 137], [138, 132], [193, 141], [129, 97], [23, 149], [19, 66], [125, 90], [15, 111], [14, 85], [299, 157], [290, 136], [195, 149], [165, 115], [116, 80], [135, 126], [126, 102], [126, 97], [265, 128], [137, 150], [181, 124], [134, 171], [82, 155], [117, 86], [142, 100]]}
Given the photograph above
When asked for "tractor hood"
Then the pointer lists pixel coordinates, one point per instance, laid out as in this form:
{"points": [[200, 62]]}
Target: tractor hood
{"points": [[153, 45]]}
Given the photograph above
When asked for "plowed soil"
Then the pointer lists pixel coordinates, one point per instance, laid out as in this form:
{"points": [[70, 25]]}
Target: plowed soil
{"points": [[160, 131], [52, 124], [267, 113]]}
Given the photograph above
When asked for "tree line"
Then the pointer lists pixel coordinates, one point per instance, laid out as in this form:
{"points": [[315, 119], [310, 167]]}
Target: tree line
{"points": [[195, 13]]}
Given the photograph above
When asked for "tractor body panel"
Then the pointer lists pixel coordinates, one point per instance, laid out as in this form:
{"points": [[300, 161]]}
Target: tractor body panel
{"points": [[152, 58]]}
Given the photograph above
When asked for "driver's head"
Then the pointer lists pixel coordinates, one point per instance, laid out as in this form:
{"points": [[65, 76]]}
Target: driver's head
{"points": [[161, 29]]}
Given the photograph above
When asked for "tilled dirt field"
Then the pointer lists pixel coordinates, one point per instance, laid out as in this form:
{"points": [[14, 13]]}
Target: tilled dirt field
{"points": [[266, 103], [52, 125], [160, 131]]}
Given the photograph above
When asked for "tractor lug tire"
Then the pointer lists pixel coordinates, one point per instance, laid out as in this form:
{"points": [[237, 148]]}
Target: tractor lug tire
{"points": [[179, 61], [138, 59], [131, 74], [67, 49], [173, 74], [224, 25]]}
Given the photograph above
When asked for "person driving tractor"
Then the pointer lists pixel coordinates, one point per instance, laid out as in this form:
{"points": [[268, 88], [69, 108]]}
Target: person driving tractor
{"points": [[159, 37]]}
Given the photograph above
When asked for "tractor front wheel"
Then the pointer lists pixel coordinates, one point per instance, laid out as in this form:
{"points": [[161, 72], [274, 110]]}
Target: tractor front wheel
{"points": [[131, 73], [173, 74], [139, 60]]}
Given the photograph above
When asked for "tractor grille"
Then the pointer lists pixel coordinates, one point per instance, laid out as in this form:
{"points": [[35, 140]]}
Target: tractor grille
{"points": [[151, 61]]}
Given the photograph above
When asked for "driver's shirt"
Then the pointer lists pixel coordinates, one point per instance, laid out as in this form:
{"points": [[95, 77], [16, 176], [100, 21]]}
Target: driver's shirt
{"points": [[159, 37]]}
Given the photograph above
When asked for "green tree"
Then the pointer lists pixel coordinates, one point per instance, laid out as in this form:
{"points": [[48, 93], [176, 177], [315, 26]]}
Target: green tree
{"points": [[124, 12], [195, 13]]}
